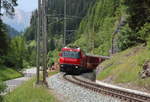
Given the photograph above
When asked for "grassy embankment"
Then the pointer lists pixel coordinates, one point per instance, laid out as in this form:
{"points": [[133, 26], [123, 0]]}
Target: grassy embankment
{"points": [[125, 66], [28, 92], [8, 73]]}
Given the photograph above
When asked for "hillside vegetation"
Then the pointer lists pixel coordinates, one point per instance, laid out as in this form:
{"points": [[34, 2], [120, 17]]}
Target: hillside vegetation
{"points": [[76, 11], [8, 73], [96, 29], [28, 92], [125, 67], [114, 25], [97, 26]]}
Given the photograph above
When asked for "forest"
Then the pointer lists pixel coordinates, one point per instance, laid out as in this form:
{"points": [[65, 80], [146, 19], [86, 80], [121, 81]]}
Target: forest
{"points": [[117, 24], [102, 27]]}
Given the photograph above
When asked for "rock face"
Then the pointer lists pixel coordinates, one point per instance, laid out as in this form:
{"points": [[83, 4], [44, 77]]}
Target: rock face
{"points": [[146, 70]]}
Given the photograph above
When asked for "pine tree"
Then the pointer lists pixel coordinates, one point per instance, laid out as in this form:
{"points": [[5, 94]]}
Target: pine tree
{"points": [[4, 40]]}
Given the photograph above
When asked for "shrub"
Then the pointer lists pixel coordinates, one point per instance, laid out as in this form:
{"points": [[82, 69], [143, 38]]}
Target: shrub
{"points": [[127, 38], [1, 60], [144, 33]]}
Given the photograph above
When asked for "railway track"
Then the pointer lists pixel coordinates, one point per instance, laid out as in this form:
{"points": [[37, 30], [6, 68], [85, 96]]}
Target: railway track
{"points": [[121, 94]]}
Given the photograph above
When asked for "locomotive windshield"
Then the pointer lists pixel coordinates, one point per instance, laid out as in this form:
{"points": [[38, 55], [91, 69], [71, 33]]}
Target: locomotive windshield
{"points": [[71, 54]]}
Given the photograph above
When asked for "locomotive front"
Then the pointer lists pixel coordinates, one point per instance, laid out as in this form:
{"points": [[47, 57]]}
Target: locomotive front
{"points": [[70, 60]]}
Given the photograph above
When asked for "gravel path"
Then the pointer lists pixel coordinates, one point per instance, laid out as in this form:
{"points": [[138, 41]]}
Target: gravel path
{"points": [[68, 92]]}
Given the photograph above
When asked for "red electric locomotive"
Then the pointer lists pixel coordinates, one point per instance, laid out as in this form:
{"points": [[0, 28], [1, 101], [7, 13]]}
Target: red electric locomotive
{"points": [[74, 60]]}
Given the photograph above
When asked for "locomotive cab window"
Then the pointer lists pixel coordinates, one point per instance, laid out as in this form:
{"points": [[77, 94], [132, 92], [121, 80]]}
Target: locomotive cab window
{"points": [[71, 54]]}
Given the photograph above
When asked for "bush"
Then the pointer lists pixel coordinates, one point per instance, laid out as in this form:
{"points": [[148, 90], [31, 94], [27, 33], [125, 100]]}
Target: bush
{"points": [[127, 38], [1, 60], [148, 43], [53, 57], [26, 64], [144, 33]]}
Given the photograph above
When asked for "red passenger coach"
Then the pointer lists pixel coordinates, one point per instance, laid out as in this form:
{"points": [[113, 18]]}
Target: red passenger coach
{"points": [[74, 60]]}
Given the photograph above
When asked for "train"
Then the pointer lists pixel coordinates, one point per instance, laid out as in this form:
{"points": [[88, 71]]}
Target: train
{"points": [[75, 61]]}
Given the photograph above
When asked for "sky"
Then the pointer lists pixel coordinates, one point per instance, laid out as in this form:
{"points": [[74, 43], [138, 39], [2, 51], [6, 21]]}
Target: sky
{"points": [[27, 5]]}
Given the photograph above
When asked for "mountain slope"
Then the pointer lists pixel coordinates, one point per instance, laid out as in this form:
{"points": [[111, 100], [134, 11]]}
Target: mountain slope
{"points": [[125, 67], [111, 26], [20, 21], [96, 29], [11, 31]]}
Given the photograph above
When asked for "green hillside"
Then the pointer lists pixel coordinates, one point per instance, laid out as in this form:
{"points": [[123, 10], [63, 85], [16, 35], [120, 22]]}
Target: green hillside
{"points": [[28, 92], [114, 23], [95, 32], [125, 67], [8, 73]]}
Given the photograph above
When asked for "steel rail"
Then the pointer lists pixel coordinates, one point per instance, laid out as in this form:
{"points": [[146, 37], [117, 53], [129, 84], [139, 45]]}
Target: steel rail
{"points": [[123, 95]]}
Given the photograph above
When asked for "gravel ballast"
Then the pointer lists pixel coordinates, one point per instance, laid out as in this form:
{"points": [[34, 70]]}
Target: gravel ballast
{"points": [[69, 92]]}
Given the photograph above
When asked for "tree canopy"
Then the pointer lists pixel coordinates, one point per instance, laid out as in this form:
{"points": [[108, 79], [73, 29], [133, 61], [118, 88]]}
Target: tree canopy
{"points": [[8, 6]]}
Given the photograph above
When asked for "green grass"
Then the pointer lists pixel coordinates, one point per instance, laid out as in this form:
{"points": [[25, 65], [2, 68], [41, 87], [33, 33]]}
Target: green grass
{"points": [[28, 92], [53, 72], [8, 73], [125, 67]]}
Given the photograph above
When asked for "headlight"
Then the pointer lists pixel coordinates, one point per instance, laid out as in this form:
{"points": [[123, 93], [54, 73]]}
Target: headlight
{"points": [[76, 67]]}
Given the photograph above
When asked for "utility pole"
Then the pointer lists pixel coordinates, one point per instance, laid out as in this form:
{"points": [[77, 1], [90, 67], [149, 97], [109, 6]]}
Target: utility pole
{"points": [[42, 40], [44, 20], [65, 21], [38, 41]]}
